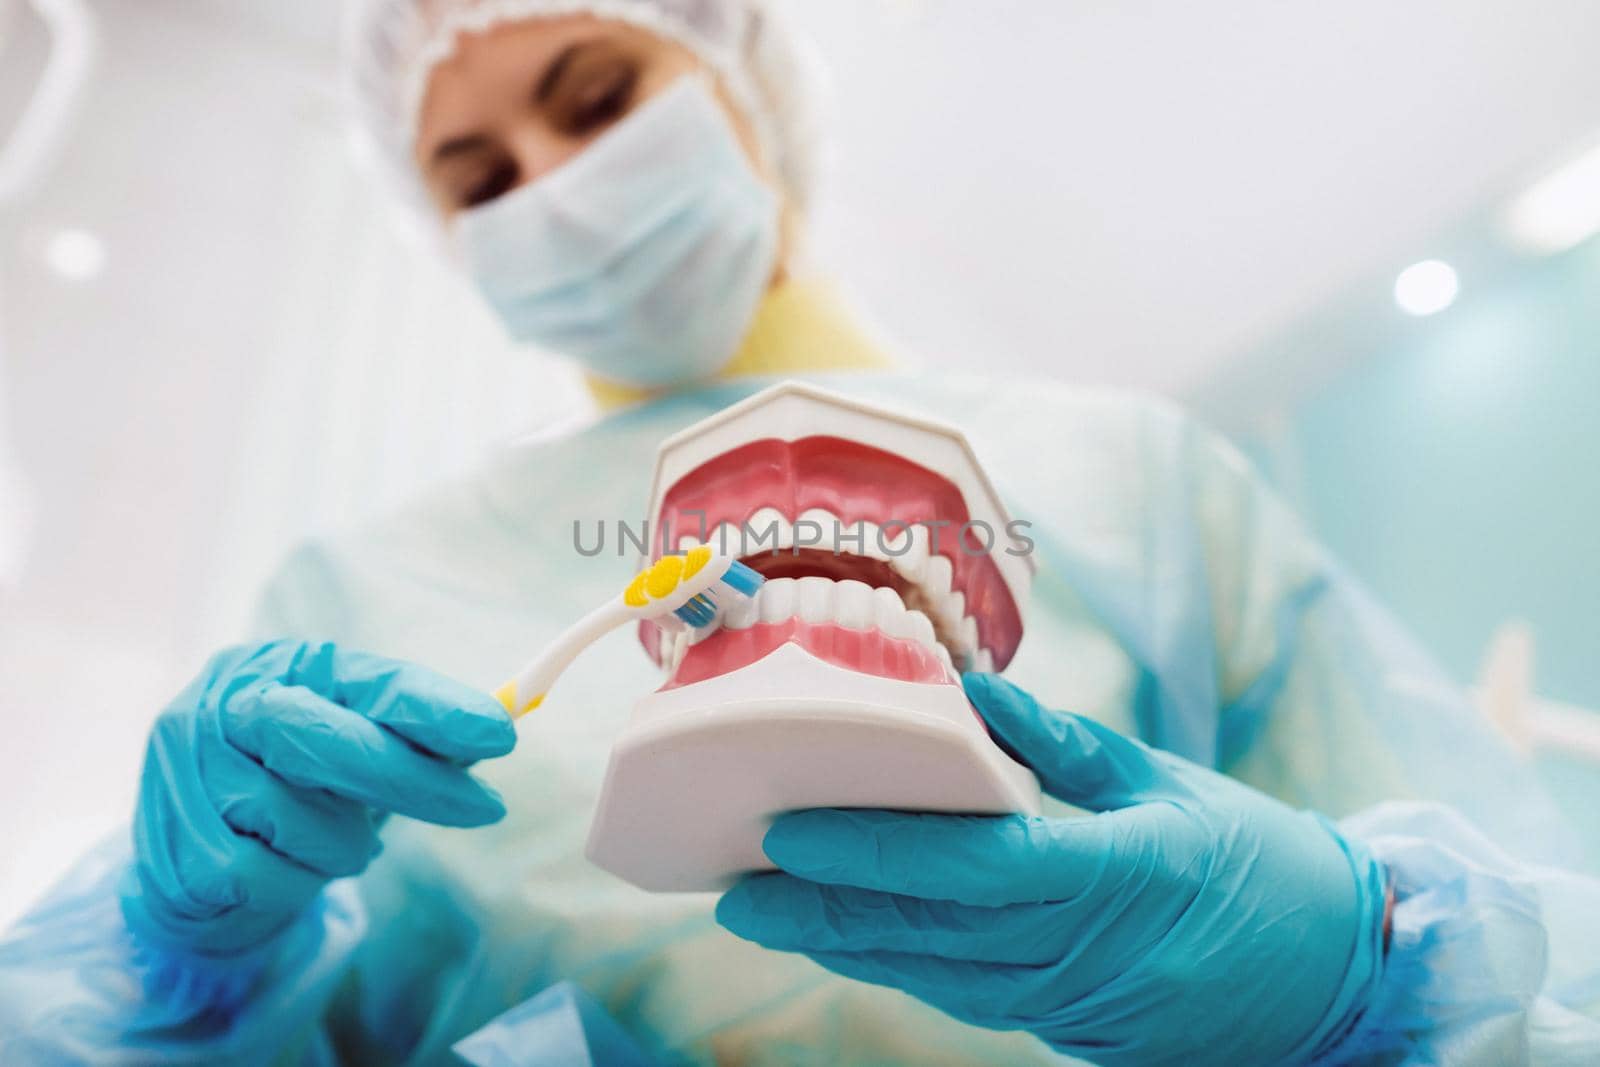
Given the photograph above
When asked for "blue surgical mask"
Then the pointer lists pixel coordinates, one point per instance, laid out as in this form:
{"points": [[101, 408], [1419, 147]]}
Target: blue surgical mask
{"points": [[644, 256]]}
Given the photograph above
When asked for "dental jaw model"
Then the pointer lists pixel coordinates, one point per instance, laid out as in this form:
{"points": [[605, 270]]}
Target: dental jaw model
{"points": [[889, 568]]}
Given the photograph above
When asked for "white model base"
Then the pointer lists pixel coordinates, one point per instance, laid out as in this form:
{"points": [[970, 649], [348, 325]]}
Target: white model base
{"points": [[700, 771]]}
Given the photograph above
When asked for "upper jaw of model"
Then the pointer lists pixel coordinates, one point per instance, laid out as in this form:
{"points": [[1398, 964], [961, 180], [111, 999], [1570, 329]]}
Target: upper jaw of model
{"points": [[885, 547]]}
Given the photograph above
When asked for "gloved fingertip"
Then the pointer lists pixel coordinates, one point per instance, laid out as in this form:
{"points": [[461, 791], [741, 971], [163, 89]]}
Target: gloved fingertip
{"points": [[1009, 711], [733, 912], [978, 684], [988, 691], [486, 808], [468, 725], [496, 806], [496, 733], [792, 840], [749, 909]]}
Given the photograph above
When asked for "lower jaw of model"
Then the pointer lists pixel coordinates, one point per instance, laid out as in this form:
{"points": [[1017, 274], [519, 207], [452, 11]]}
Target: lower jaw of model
{"points": [[838, 684]]}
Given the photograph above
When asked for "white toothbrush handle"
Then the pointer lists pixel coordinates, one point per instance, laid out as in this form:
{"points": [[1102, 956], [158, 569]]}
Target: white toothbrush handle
{"points": [[527, 691], [654, 593]]}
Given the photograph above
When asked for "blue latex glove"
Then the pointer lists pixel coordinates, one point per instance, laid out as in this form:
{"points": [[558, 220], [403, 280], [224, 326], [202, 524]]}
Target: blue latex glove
{"points": [[1193, 920], [271, 774]]}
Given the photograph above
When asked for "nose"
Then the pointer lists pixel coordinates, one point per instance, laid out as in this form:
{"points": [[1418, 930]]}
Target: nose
{"points": [[538, 150]]}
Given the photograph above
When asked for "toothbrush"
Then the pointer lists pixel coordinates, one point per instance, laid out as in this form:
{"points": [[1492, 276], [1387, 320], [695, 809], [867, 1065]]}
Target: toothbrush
{"points": [[677, 591]]}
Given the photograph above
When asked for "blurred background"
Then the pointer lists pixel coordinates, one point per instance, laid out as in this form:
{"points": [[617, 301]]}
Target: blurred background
{"points": [[1359, 237]]}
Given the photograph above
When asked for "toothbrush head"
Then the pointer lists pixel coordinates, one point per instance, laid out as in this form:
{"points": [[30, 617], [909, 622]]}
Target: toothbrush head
{"points": [[739, 580], [689, 588]]}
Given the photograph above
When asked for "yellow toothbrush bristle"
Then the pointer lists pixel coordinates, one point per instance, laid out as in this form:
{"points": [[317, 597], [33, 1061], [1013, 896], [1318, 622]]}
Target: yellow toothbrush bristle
{"points": [[664, 577], [634, 596], [698, 557]]}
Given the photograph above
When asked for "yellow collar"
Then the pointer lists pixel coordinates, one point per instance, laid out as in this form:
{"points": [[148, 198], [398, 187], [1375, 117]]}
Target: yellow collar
{"points": [[798, 326]]}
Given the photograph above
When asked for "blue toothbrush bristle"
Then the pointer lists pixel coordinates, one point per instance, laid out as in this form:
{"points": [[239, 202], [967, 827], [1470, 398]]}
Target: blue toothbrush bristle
{"points": [[702, 610], [698, 611], [743, 579]]}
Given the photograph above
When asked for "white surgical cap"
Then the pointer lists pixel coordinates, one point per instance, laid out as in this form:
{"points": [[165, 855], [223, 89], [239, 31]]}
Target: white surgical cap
{"points": [[770, 71]]}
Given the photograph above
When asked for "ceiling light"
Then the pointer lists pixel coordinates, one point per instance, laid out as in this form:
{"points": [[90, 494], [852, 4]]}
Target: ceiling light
{"points": [[1559, 210], [1426, 288], [76, 255]]}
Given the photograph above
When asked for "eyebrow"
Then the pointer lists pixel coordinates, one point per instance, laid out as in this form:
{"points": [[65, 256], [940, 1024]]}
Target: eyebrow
{"points": [[460, 146], [477, 142], [552, 74]]}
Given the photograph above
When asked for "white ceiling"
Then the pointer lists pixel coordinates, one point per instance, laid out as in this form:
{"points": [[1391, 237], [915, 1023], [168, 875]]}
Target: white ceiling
{"points": [[1136, 193]]}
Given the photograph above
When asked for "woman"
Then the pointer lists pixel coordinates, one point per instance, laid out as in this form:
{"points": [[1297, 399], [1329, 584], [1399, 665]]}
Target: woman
{"points": [[626, 180]]}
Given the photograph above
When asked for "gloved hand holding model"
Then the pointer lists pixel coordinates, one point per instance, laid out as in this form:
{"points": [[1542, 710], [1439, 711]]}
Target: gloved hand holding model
{"points": [[1193, 920], [270, 775]]}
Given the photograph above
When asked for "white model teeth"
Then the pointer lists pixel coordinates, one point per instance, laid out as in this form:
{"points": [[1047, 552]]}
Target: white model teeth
{"points": [[967, 638], [908, 550], [851, 604], [888, 611], [740, 614], [922, 630], [775, 601]]}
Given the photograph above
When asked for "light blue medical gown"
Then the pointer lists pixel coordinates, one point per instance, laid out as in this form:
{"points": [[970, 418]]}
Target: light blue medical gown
{"points": [[1176, 599]]}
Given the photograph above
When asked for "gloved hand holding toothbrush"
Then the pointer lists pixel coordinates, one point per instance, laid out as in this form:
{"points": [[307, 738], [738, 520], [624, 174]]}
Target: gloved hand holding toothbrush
{"points": [[271, 774], [1192, 920]]}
